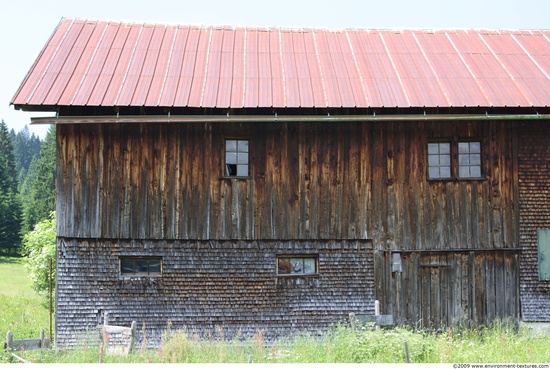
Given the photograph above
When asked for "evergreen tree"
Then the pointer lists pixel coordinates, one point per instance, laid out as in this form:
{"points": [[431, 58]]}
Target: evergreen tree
{"points": [[10, 207], [25, 194], [26, 147], [42, 195]]}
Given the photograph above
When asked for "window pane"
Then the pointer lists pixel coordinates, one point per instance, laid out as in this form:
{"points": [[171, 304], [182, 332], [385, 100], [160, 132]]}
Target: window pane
{"points": [[464, 172], [433, 172], [242, 170], [445, 172], [433, 160], [141, 266], [297, 265], [475, 159], [309, 266], [127, 266], [242, 158], [231, 158], [243, 146], [231, 145], [463, 159], [154, 266], [445, 160], [475, 147], [444, 148], [284, 266], [463, 147], [433, 148], [475, 171]]}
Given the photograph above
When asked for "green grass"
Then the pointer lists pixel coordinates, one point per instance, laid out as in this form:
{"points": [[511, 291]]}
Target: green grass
{"points": [[22, 311], [499, 344], [14, 279]]}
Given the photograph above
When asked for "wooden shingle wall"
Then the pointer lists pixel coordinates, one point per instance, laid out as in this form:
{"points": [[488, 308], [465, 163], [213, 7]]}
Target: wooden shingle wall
{"points": [[534, 189], [209, 285]]}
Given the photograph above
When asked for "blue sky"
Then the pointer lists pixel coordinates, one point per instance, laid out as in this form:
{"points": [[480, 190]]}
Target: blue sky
{"points": [[25, 25]]}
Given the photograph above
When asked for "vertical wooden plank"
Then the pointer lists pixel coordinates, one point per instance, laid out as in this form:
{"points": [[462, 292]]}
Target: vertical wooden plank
{"points": [[414, 290], [178, 174], [378, 184], [63, 192], [315, 181], [143, 212], [324, 146], [283, 182], [293, 178], [426, 291], [170, 181], [126, 182], [365, 142], [480, 289], [259, 161], [390, 198], [380, 278], [490, 285], [435, 288], [446, 292], [114, 188], [303, 174]]}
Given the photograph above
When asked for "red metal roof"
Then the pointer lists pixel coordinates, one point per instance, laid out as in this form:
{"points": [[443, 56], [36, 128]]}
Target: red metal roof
{"points": [[99, 63]]}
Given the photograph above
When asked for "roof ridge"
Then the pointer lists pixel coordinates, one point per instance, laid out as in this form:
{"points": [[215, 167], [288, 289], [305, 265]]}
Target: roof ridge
{"points": [[306, 28]]}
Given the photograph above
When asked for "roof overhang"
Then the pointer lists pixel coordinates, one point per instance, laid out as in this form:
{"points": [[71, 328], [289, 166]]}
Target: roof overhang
{"points": [[281, 118]]}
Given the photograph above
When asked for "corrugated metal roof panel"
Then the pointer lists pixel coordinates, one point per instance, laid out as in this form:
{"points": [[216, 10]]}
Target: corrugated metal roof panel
{"points": [[98, 63]]}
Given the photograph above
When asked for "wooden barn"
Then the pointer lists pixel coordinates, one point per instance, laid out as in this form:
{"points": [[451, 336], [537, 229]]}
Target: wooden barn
{"points": [[246, 179]]}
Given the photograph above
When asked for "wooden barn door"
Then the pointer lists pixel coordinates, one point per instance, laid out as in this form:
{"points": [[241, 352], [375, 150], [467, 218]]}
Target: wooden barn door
{"points": [[441, 289]]}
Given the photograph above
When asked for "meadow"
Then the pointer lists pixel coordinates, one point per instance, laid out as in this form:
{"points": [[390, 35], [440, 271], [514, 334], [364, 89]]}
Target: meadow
{"points": [[25, 313]]}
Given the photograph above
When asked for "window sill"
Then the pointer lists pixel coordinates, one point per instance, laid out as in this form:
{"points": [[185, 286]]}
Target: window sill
{"points": [[135, 276], [296, 275], [235, 177], [480, 179]]}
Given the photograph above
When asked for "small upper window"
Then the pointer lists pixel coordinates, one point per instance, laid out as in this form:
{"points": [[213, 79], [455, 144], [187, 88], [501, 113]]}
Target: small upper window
{"points": [[296, 265], [439, 160], [140, 266], [236, 158], [443, 163], [469, 159]]}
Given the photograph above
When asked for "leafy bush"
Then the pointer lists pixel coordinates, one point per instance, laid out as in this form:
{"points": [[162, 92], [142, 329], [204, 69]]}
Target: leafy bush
{"points": [[39, 248]]}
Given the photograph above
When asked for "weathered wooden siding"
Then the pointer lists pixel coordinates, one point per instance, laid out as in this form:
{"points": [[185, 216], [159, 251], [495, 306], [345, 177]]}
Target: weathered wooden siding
{"points": [[308, 181], [446, 288], [534, 189], [210, 285]]}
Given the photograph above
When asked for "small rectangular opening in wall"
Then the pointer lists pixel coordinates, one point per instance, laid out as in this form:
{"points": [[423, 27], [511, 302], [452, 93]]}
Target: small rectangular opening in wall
{"points": [[295, 265], [140, 266], [543, 236]]}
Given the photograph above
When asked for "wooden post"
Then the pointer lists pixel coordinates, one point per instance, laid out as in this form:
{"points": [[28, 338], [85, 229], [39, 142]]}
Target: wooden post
{"points": [[51, 301], [133, 336], [42, 339], [407, 359], [9, 340]]}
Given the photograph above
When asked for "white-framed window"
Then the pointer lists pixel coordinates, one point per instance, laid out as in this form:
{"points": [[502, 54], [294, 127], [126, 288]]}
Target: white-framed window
{"points": [[236, 158], [469, 159], [454, 160], [294, 265], [439, 160]]}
